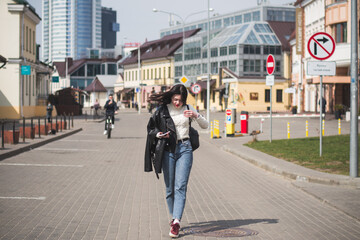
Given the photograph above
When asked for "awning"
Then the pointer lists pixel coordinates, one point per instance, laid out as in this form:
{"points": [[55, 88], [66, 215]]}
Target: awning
{"points": [[220, 88], [126, 90], [203, 84]]}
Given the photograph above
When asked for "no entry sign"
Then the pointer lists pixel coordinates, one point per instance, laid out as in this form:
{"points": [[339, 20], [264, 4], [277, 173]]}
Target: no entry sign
{"points": [[270, 64], [228, 112], [321, 46]]}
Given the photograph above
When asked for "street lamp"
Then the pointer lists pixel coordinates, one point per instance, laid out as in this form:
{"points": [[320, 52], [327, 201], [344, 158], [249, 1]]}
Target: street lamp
{"points": [[183, 30]]}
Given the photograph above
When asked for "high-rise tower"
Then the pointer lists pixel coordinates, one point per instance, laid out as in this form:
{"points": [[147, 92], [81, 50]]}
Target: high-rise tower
{"points": [[69, 28]]}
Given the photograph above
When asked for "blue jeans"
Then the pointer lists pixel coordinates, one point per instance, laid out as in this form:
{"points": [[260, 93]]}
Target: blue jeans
{"points": [[176, 167]]}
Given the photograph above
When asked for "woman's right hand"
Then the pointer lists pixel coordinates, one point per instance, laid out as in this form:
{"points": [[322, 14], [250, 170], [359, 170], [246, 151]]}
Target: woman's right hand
{"points": [[163, 135]]}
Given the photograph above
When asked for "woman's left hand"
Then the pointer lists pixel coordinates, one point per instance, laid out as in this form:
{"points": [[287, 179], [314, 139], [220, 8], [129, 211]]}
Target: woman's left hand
{"points": [[190, 114]]}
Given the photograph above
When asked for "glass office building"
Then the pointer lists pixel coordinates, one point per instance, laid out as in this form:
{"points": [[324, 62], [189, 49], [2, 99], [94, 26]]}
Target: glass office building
{"points": [[69, 28], [262, 12], [241, 48]]}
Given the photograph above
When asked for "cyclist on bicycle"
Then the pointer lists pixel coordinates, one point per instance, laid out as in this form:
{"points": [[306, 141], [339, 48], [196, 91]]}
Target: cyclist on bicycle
{"points": [[110, 107]]}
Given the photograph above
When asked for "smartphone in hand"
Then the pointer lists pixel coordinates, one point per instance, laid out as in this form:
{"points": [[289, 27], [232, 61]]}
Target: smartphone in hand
{"points": [[161, 135]]}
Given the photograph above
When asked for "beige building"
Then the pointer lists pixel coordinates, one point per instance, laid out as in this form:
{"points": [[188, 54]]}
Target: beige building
{"points": [[21, 95]]}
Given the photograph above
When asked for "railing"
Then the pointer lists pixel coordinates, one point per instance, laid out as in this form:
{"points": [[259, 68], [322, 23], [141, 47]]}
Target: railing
{"points": [[11, 130]]}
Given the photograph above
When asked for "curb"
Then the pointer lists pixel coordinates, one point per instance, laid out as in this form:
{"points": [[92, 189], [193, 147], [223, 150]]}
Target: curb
{"points": [[36, 145], [352, 182]]}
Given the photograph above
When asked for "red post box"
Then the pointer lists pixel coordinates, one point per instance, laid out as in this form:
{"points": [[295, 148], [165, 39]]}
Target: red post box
{"points": [[244, 116]]}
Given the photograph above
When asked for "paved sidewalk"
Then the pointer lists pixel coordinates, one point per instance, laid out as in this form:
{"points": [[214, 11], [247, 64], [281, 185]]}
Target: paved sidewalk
{"points": [[86, 186]]}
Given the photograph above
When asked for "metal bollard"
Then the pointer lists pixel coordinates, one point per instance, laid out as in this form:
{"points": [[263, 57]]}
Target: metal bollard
{"points": [[32, 128], [2, 134], [288, 130], [23, 129], [69, 121], [307, 128], [339, 126], [45, 126], [211, 130], [72, 120], [61, 123], [14, 132], [39, 126], [57, 128]]}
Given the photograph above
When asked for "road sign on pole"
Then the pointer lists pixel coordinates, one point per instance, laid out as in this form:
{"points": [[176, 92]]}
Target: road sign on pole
{"points": [[270, 64], [195, 89], [321, 46], [228, 112]]}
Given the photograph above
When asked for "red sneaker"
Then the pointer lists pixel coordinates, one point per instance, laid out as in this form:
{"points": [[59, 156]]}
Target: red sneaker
{"points": [[174, 230]]}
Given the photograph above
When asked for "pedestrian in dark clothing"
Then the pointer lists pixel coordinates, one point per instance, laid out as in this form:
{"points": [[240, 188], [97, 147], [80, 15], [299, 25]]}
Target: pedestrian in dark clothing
{"points": [[49, 109]]}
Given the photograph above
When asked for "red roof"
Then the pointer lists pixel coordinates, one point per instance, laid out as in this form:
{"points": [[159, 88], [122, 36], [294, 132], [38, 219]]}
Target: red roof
{"points": [[283, 31], [163, 47], [96, 86]]}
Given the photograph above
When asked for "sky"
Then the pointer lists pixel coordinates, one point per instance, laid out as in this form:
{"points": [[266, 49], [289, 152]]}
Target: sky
{"points": [[138, 22]]}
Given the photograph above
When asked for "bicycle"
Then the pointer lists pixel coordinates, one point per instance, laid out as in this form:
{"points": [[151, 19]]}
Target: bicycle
{"points": [[108, 126]]}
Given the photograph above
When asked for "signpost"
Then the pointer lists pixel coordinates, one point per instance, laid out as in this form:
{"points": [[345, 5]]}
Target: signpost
{"points": [[25, 70], [196, 89], [184, 80], [321, 46], [270, 81]]}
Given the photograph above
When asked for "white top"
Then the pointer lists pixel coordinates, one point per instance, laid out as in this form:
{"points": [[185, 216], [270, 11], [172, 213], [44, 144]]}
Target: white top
{"points": [[182, 123]]}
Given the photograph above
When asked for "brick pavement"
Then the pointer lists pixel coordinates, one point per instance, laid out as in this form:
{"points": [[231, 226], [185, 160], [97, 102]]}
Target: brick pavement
{"points": [[95, 188]]}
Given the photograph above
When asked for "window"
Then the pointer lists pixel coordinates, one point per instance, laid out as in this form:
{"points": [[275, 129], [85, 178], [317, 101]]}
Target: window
{"points": [[26, 39], [178, 71], [152, 76], [275, 50], [267, 95], [147, 74], [93, 69], [155, 73], [204, 54], [223, 64], [178, 57], [279, 95], [111, 69], [204, 68], [143, 76], [159, 73], [247, 17], [254, 96], [164, 72], [169, 72], [80, 72], [232, 50], [34, 43], [213, 96], [33, 88], [232, 65], [277, 67], [252, 49], [252, 66], [223, 51], [238, 19], [27, 87], [214, 67], [341, 32], [214, 52]]}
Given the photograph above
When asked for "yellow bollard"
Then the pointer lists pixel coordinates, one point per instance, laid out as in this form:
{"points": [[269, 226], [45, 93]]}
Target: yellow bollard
{"points": [[288, 129], [339, 126], [323, 127], [307, 128], [216, 129], [211, 130]]}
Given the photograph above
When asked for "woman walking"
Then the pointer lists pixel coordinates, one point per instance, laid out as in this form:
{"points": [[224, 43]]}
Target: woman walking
{"points": [[169, 148]]}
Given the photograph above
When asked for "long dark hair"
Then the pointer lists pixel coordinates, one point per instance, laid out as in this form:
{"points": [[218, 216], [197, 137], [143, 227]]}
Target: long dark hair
{"points": [[165, 97]]}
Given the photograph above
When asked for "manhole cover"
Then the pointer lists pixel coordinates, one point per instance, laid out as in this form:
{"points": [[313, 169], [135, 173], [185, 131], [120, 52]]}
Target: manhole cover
{"points": [[218, 232]]}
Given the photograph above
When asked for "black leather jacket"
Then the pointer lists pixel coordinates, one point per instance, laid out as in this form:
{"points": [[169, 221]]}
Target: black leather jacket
{"points": [[160, 121]]}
